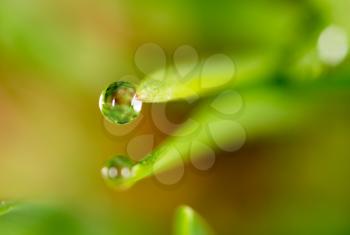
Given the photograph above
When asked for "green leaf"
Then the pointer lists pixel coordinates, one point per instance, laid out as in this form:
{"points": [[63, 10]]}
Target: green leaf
{"points": [[188, 222]]}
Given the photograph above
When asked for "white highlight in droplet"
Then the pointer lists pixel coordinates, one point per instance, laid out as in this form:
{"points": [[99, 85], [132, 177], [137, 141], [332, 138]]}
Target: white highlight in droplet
{"points": [[104, 172], [125, 172], [112, 172], [185, 59], [217, 70], [228, 135], [332, 45], [136, 104], [100, 101]]}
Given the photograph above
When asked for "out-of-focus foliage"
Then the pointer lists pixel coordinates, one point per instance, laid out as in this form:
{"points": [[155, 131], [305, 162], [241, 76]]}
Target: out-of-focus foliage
{"points": [[6, 207], [188, 222], [292, 71]]}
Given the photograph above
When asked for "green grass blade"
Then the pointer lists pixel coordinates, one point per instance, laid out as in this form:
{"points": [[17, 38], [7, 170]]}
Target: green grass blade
{"points": [[188, 222], [207, 78], [268, 110]]}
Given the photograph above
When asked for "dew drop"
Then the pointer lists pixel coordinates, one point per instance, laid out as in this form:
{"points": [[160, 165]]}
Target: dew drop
{"points": [[117, 170], [119, 103]]}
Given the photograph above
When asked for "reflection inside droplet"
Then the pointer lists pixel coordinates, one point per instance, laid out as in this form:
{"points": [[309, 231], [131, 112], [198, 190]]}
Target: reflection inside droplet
{"points": [[117, 170], [119, 103]]}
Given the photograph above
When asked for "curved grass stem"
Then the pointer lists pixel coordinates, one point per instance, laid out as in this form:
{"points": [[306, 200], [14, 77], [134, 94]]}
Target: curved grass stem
{"points": [[268, 109]]}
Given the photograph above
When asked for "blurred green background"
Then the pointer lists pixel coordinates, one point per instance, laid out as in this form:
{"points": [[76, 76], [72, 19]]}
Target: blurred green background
{"points": [[291, 177]]}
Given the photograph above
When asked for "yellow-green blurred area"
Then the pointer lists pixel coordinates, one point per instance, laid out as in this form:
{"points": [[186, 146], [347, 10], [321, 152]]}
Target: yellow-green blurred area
{"points": [[291, 176]]}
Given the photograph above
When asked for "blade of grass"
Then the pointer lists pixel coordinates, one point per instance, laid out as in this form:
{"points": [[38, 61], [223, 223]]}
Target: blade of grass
{"points": [[156, 88], [188, 222], [268, 110]]}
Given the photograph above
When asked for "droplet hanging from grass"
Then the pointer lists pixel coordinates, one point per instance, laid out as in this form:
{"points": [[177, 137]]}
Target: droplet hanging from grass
{"points": [[119, 103], [117, 170]]}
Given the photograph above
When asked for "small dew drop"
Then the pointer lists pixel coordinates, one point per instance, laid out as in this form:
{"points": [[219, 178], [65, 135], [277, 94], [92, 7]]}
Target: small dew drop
{"points": [[117, 170], [119, 103]]}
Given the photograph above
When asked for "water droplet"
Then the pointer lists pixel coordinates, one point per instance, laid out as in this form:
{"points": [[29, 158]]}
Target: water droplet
{"points": [[119, 103], [121, 130], [117, 170]]}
